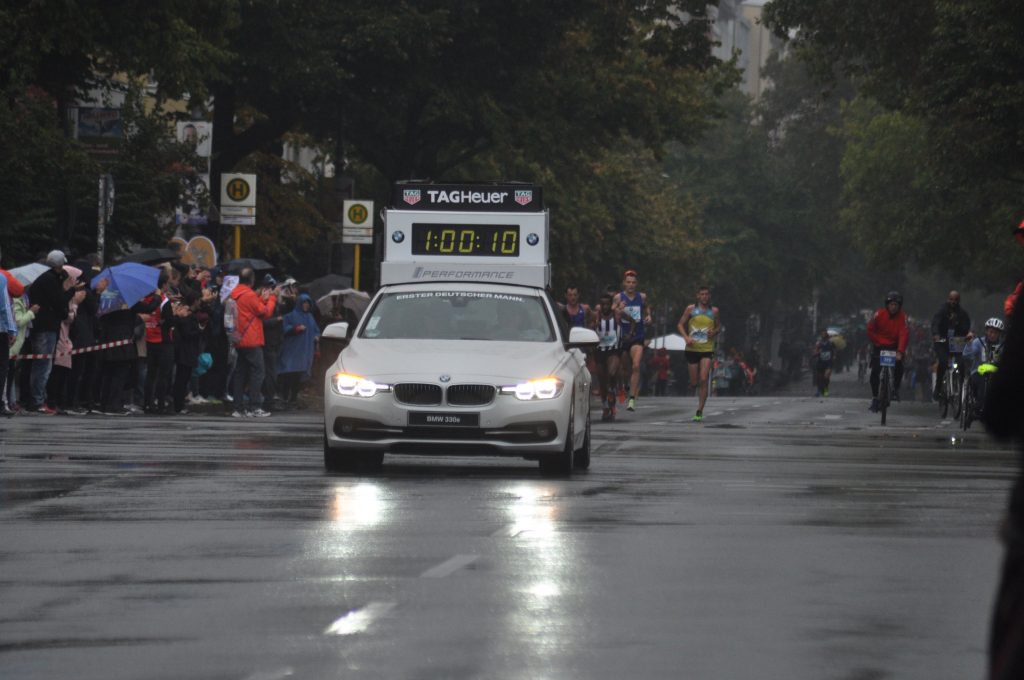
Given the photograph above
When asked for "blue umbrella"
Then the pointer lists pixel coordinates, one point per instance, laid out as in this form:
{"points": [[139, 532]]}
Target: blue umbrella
{"points": [[129, 283]]}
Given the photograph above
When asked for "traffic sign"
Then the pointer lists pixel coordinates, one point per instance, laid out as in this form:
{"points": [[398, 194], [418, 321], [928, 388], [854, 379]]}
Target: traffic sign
{"points": [[244, 220], [357, 214], [357, 231], [356, 239], [237, 190], [232, 210]]}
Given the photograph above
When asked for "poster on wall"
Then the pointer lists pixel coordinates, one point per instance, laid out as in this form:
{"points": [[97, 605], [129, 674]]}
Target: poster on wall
{"points": [[197, 134], [99, 129]]}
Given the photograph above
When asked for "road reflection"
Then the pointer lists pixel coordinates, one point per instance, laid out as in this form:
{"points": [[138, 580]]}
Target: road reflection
{"points": [[543, 564], [358, 507]]}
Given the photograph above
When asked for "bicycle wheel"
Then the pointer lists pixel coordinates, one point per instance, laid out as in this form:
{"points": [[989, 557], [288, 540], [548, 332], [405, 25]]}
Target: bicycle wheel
{"points": [[967, 412], [956, 394], [944, 397], [883, 393]]}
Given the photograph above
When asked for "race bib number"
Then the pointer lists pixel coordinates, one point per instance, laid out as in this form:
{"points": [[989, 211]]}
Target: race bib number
{"points": [[699, 335], [825, 355], [634, 312], [609, 339]]}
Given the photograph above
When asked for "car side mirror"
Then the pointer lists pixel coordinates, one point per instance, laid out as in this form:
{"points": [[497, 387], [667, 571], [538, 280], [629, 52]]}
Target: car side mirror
{"points": [[336, 331], [583, 338]]}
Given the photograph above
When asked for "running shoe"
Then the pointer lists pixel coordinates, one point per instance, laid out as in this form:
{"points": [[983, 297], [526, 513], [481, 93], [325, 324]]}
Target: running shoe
{"points": [[874, 406], [698, 416], [260, 413], [238, 414], [824, 393], [631, 404]]}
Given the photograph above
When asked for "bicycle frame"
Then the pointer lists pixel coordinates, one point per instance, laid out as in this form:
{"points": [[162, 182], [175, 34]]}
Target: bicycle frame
{"points": [[887, 362]]}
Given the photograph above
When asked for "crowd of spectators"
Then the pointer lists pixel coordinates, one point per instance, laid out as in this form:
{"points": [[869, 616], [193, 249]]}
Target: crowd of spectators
{"points": [[201, 336]]}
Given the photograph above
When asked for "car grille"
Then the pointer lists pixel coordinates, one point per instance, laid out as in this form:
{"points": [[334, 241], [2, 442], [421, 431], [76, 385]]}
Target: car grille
{"points": [[418, 394], [470, 395]]}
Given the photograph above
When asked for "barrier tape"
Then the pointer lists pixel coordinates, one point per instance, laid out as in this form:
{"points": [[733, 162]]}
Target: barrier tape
{"points": [[83, 350]]}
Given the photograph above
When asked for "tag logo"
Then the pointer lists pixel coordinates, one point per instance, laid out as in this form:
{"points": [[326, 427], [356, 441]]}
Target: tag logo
{"points": [[411, 196], [524, 196]]}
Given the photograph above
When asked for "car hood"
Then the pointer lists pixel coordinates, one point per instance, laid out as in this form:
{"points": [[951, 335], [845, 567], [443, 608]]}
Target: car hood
{"points": [[463, 360]]}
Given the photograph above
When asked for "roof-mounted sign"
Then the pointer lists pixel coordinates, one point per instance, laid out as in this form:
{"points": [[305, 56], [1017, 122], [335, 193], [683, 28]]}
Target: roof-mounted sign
{"points": [[484, 197], [466, 232]]}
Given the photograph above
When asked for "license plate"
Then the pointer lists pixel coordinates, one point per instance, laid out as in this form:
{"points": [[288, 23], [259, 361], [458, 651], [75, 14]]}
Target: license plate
{"points": [[430, 419]]}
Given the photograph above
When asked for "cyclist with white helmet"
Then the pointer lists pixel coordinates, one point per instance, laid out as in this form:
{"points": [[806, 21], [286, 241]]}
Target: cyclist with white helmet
{"points": [[981, 352]]}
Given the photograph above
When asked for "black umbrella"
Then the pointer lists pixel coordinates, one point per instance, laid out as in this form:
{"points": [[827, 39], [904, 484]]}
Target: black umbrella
{"points": [[317, 288], [236, 266], [151, 256]]}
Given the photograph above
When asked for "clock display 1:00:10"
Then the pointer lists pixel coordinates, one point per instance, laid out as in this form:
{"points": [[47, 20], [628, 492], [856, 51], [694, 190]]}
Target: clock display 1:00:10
{"points": [[500, 240]]}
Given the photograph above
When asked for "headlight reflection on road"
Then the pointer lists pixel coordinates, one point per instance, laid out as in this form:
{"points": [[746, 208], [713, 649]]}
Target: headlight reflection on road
{"points": [[533, 512], [538, 619], [357, 507]]}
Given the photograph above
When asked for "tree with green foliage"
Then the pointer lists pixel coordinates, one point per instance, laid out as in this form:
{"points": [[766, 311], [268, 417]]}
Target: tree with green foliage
{"points": [[939, 162], [582, 95]]}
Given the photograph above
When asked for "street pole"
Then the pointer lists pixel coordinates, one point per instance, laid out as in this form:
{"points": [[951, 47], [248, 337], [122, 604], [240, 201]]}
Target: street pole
{"points": [[101, 227], [355, 271], [104, 211], [238, 241]]}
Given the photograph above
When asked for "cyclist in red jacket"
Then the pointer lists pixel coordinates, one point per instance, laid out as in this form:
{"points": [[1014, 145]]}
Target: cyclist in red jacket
{"points": [[888, 330]]}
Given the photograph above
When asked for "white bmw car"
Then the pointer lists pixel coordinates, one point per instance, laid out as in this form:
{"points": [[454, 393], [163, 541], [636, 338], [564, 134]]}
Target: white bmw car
{"points": [[459, 369]]}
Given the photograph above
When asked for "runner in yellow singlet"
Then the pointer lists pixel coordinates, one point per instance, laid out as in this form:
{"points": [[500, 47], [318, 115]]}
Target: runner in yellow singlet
{"points": [[699, 326]]}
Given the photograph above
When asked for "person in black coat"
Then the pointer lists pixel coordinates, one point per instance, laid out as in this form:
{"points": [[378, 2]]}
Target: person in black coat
{"points": [[1004, 418], [52, 292], [187, 347], [117, 361], [951, 318], [84, 389]]}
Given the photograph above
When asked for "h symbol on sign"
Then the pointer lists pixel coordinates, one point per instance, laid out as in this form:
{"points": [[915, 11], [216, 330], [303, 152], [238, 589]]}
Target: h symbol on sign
{"points": [[238, 189]]}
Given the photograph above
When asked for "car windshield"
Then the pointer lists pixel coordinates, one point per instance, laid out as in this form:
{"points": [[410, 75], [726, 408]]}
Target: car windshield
{"points": [[459, 315]]}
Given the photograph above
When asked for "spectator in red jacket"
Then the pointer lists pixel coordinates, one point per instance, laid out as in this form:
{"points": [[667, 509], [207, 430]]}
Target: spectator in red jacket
{"points": [[888, 330], [252, 308]]}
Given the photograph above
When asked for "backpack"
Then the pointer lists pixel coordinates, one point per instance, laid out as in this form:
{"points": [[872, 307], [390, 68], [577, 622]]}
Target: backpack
{"points": [[231, 322]]}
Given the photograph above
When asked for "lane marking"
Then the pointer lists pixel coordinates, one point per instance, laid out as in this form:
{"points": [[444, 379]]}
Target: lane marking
{"points": [[358, 620], [833, 417], [715, 413], [272, 675], [449, 567]]}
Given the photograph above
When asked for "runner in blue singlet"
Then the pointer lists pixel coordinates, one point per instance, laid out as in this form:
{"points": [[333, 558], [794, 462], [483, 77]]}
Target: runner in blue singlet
{"points": [[634, 312], [575, 313]]}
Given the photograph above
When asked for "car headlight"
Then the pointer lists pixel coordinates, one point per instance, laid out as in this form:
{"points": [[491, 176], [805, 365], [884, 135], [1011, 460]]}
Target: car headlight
{"points": [[349, 385], [543, 388]]}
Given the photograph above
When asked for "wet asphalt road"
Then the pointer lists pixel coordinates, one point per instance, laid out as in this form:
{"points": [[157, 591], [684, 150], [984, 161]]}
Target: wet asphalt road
{"points": [[785, 538]]}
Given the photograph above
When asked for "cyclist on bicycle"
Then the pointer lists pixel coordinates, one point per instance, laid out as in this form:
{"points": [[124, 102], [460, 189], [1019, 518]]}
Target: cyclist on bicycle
{"points": [[888, 330], [986, 349], [950, 320]]}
